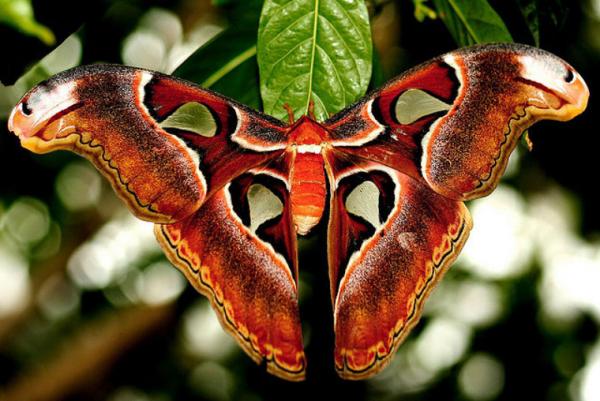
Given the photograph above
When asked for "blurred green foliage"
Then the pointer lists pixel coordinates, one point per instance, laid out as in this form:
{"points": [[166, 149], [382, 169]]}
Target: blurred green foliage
{"points": [[472, 22], [19, 14], [227, 63]]}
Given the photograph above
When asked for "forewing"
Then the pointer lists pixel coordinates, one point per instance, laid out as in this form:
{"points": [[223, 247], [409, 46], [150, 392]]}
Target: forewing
{"points": [[452, 122], [163, 143]]}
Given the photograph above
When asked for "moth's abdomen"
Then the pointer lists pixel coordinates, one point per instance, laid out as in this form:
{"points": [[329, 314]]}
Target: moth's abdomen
{"points": [[308, 191]]}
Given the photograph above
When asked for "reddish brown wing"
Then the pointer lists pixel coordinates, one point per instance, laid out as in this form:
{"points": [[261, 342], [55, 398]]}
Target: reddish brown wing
{"points": [[401, 162], [239, 250], [131, 124], [452, 122], [193, 162], [391, 239]]}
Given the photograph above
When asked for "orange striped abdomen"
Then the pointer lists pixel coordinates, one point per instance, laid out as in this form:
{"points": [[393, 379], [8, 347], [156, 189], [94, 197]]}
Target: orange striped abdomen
{"points": [[308, 191]]}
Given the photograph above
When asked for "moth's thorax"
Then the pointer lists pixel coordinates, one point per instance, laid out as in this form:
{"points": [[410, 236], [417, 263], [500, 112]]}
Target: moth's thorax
{"points": [[307, 176], [307, 134]]}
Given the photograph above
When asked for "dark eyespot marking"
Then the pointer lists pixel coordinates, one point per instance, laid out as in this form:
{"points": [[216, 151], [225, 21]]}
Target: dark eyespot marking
{"points": [[569, 76], [25, 108]]}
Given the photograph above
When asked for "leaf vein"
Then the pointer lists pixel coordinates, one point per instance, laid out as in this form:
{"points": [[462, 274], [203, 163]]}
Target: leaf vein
{"points": [[464, 21], [348, 17], [312, 56], [229, 66], [344, 43], [318, 101], [337, 74], [281, 92], [287, 28], [282, 58]]}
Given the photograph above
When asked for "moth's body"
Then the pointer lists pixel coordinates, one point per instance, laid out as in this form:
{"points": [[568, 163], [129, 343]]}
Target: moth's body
{"points": [[229, 188], [308, 186]]}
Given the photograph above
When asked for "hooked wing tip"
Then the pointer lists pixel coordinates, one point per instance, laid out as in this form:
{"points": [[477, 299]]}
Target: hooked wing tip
{"points": [[563, 92], [22, 126], [36, 118], [577, 96]]}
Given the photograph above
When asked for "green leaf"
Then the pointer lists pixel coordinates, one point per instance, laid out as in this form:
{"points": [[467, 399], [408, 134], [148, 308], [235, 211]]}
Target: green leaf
{"points": [[313, 51], [529, 10], [472, 21], [63, 57], [378, 77], [227, 64], [10, 95], [556, 11], [242, 15], [543, 13], [19, 15], [423, 11]]}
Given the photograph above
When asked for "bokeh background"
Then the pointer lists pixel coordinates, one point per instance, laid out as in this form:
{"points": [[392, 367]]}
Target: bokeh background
{"points": [[91, 310]]}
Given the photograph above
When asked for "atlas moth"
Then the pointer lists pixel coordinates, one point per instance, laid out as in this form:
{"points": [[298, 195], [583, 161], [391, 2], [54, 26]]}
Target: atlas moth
{"points": [[229, 188]]}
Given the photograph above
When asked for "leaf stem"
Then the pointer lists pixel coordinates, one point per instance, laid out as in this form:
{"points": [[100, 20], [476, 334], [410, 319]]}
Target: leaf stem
{"points": [[312, 56], [463, 20], [230, 66]]}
